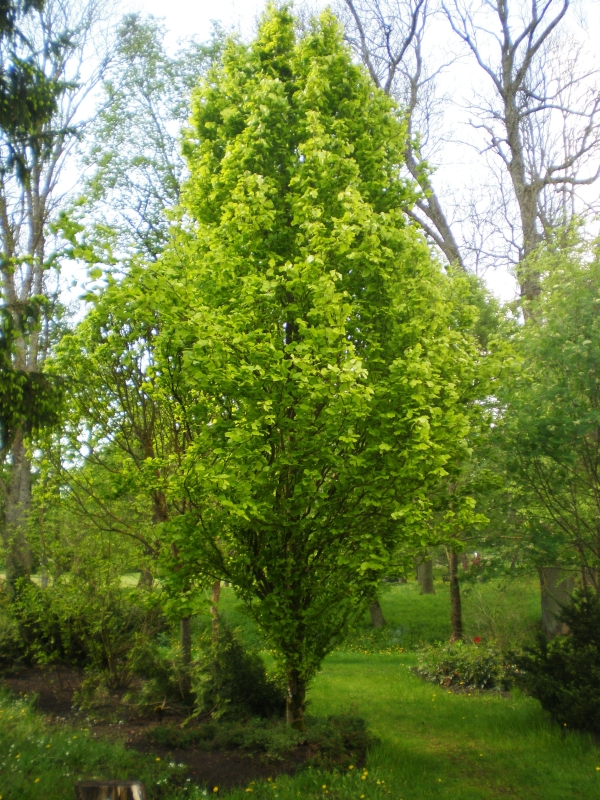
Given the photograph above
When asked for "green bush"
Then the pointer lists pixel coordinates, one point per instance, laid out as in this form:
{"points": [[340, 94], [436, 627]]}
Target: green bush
{"points": [[564, 674], [80, 624], [12, 648], [158, 665], [474, 666], [231, 681]]}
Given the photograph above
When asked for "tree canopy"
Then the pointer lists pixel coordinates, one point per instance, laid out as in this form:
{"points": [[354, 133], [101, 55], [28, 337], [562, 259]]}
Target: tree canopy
{"points": [[322, 352]]}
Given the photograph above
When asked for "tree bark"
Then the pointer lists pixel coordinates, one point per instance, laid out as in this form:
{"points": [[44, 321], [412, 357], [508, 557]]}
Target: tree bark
{"points": [[146, 579], [377, 617], [295, 700], [556, 589], [185, 642], [425, 576], [214, 610], [455, 601]]}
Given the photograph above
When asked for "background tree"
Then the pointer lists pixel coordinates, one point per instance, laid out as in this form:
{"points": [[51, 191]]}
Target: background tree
{"points": [[321, 347], [55, 42], [133, 149], [389, 38], [538, 122], [541, 119], [122, 436], [550, 424]]}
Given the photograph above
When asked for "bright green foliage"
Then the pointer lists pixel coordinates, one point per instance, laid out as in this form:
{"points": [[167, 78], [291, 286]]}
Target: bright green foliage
{"points": [[121, 437], [324, 364], [550, 424]]}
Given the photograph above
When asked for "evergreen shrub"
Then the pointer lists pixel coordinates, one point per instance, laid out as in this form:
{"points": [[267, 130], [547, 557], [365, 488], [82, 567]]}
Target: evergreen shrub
{"points": [[564, 674], [232, 681]]}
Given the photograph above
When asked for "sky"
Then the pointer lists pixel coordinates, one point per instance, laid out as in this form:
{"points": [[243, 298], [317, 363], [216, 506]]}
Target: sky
{"points": [[193, 17]]}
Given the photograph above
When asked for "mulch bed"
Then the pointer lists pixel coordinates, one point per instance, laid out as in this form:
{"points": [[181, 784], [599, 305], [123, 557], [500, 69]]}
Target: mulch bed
{"points": [[226, 770], [55, 690]]}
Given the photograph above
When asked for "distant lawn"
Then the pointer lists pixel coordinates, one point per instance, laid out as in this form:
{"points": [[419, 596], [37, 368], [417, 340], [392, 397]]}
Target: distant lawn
{"points": [[506, 611]]}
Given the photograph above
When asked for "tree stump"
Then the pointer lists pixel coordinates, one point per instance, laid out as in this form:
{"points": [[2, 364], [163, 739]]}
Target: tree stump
{"points": [[377, 617], [109, 790], [557, 586], [425, 576]]}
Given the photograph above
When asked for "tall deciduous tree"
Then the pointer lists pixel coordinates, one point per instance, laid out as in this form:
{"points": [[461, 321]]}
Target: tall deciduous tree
{"points": [[134, 151], [56, 42], [323, 359], [550, 421], [541, 117], [389, 38], [537, 117]]}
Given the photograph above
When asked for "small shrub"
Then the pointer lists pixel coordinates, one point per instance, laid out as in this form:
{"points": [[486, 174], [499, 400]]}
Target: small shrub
{"points": [[159, 668], [564, 674], [233, 682], [259, 737], [76, 623], [474, 666], [338, 741], [12, 648]]}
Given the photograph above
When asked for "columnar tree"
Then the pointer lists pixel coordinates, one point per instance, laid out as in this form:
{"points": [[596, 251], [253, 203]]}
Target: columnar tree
{"points": [[322, 350]]}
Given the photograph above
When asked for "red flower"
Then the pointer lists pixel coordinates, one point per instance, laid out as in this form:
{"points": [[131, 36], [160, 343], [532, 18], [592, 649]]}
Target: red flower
{"points": [[477, 639]]}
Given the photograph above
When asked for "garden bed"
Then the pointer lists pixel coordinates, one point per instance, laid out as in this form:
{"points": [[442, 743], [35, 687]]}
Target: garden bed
{"points": [[214, 754]]}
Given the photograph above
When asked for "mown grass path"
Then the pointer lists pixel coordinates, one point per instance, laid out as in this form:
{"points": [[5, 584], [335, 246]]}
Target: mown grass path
{"points": [[436, 744]]}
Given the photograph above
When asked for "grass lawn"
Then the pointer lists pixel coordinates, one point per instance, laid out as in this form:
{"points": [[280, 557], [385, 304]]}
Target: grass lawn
{"points": [[433, 744], [505, 611]]}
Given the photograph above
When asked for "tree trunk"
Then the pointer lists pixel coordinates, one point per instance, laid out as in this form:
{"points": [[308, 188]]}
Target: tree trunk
{"points": [[185, 642], [556, 589], [146, 579], [214, 610], [109, 790], [425, 576], [455, 602], [295, 700], [19, 558], [377, 617]]}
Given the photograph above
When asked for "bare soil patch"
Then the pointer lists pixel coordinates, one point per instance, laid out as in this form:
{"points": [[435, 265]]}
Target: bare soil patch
{"points": [[55, 690]]}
